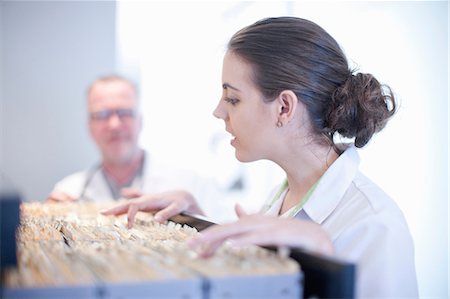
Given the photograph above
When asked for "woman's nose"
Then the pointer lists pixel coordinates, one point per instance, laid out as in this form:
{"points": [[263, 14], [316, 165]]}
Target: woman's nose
{"points": [[219, 111]]}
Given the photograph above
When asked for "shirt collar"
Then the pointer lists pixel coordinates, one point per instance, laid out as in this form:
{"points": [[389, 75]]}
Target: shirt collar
{"points": [[332, 186]]}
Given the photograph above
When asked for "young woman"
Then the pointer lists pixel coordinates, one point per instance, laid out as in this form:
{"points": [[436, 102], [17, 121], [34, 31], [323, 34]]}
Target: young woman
{"points": [[288, 95]]}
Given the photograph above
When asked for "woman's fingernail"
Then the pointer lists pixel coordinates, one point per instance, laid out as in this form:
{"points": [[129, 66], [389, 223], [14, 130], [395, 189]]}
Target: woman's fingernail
{"points": [[190, 244]]}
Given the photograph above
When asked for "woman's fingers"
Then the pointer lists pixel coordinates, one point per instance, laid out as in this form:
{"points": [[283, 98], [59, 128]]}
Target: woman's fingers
{"points": [[132, 210], [261, 238], [118, 210], [221, 232], [264, 230], [129, 208], [168, 204], [213, 236], [209, 249], [240, 212], [143, 203], [168, 212]]}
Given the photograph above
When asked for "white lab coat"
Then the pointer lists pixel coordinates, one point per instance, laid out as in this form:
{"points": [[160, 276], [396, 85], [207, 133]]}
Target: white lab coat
{"points": [[367, 228], [92, 185]]}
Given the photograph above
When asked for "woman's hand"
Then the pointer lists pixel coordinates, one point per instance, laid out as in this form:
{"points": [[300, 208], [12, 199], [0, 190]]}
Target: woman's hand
{"points": [[258, 229], [166, 205]]}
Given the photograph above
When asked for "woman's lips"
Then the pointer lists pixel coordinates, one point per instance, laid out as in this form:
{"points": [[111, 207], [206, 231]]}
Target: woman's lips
{"points": [[233, 140]]}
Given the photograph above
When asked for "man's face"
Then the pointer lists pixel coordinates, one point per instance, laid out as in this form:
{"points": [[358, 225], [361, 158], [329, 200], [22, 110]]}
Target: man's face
{"points": [[114, 120]]}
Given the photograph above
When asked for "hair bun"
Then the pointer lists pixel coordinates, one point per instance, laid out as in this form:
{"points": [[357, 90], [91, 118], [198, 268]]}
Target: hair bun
{"points": [[359, 108]]}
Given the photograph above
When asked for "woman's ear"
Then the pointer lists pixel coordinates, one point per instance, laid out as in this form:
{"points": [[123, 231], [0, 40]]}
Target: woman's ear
{"points": [[287, 103]]}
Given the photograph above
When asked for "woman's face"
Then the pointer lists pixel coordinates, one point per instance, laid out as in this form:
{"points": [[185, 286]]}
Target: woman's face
{"points": [[250, 120]]}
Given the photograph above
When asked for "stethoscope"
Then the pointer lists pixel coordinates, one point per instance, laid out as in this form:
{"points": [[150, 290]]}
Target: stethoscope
{"points": [[88, 180], [97, 169], [280, 195]]}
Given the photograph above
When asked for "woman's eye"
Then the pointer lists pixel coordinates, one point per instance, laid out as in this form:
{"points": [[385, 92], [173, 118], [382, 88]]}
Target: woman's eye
{"points": [[231, 101]]}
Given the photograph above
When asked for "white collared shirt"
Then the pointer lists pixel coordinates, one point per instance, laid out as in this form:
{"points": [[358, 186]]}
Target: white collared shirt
{"points": [[367, 228]]}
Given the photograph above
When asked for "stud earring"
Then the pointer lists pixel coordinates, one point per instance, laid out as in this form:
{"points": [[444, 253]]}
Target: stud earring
{"points": [[279, 124]]}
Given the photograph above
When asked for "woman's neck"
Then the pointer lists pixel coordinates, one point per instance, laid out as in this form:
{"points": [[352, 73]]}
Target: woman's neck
{"points": [[122, 173], [303, 169]]}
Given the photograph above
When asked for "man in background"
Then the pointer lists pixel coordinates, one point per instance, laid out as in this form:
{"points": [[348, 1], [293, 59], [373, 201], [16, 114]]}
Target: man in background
{"points": [[125, 169]]}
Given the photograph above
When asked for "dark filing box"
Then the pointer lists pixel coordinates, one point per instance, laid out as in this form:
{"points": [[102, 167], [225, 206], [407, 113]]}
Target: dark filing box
{"points": [[9, 222], [320, 277]]}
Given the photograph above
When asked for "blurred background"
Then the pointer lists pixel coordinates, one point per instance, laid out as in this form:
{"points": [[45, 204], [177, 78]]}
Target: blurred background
{"points": [[51, 50]]}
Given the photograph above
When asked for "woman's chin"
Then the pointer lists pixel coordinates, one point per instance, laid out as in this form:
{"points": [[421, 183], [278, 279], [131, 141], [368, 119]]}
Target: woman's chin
{"points": [[243, 158]]}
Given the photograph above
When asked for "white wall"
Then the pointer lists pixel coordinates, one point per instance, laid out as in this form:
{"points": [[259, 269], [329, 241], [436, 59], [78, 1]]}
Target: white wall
{"points": [[50, 51], [177, 48]]}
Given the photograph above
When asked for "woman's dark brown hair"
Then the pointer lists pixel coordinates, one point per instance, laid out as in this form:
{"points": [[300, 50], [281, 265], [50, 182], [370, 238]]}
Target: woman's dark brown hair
{"points": [[289, 53]]}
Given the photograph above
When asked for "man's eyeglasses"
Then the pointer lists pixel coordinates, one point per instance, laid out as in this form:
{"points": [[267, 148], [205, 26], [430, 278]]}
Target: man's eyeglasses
{"points": [[106, 114]]}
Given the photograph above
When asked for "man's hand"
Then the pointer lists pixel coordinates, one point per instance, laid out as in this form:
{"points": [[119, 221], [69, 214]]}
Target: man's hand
{"points": [[58, 196], [131, 192]]}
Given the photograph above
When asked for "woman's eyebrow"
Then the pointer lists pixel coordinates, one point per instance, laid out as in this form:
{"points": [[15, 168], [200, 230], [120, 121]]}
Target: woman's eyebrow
{"points": [[226, 85]]}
